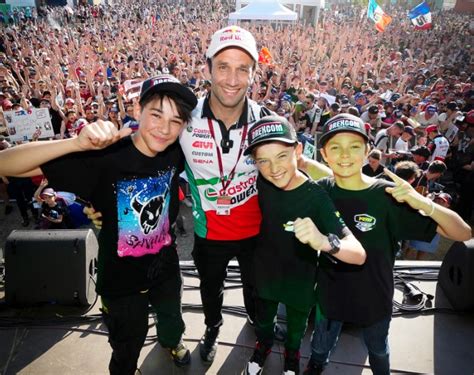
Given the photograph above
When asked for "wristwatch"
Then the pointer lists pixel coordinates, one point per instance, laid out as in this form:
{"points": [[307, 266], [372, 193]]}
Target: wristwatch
{"points": [[335, 243]]}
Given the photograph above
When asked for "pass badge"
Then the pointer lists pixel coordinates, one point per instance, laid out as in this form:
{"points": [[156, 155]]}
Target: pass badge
{"points": [[223, 205]]}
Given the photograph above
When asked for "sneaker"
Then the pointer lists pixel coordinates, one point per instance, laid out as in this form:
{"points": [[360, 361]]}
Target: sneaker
{"points": [[208, 344], [181, 355], [255, 363], [313, 369], [292, 362]]}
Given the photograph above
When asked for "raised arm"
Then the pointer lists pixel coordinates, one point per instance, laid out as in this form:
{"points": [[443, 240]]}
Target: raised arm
{"points": [[25, 160], [450, 224]]}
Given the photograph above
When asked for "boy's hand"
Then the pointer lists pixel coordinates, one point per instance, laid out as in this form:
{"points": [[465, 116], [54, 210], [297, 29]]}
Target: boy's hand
{"points": [[404, 192], [308, 233], [99, 135], [94, 216]]}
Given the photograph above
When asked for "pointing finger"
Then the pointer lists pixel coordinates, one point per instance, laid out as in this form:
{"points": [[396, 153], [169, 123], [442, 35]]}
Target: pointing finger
{"points": [[393, 176]]}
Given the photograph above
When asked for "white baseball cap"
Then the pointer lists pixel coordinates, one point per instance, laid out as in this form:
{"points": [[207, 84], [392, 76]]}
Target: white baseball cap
{"points": [[232, 36]]}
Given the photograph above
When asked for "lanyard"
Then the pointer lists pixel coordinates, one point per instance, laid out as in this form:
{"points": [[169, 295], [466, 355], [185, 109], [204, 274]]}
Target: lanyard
{"points": [[225, 184]]}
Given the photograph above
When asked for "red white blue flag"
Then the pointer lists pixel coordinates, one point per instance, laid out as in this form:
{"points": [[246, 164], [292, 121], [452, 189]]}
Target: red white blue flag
{"points": [[421, 16]]}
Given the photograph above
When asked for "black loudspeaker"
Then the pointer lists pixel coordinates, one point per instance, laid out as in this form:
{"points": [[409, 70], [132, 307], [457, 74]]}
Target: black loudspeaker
{"points": [[456, 276], [53, 266]]}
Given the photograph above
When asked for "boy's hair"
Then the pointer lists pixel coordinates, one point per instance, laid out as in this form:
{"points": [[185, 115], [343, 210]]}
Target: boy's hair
{"points": [[253, 152], [70, 112], [183, 108], [375, 154], [407, 170], [437, 166]]}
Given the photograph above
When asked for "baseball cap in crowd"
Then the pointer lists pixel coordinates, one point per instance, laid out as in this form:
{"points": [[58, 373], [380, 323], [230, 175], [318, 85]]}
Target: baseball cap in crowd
{"points": [[69, 101], [345, 103], [166, 82], [48, 192], [343, 123], [470, 117], [452, 106], [395, 97], [271, 128], [409, 129], [358, 95], [431, 128], [232, 36], [422, 151], [373, 109], [431, 108]]}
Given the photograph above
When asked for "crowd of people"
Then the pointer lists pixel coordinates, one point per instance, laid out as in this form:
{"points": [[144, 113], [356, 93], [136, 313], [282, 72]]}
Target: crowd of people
{"points": [[406, 94], [75, 64]]}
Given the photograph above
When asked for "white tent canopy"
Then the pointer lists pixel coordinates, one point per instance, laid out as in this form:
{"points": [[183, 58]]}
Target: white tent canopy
{"points": [[269, 10]]}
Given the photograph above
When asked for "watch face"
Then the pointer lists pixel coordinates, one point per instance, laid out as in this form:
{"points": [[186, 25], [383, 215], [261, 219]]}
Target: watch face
{"points": [[334, 242]]}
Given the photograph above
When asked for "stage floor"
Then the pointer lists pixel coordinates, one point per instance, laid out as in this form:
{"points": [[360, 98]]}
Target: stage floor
{"points": [[437, 343]]}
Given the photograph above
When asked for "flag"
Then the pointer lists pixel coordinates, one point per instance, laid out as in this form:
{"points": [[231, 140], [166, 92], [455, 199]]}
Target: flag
{"points": [[265, 57], [421, 16], [376, 14]]}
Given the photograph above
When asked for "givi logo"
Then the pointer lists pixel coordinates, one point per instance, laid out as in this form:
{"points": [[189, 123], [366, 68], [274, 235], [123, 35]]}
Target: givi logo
{"points": [[203, 144]]}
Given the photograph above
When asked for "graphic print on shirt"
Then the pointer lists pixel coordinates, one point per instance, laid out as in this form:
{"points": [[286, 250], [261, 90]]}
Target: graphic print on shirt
{"points": [[143, 215], [365, 222]]}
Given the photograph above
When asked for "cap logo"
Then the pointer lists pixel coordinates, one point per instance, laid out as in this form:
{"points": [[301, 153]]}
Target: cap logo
{"points": [[158, 80], [274, 128], [233, 31], [344, 124]]}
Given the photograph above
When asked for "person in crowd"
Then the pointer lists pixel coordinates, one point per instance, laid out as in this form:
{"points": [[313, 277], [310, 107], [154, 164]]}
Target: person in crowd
{"points": [[385, 140], [403, 142], [373, 167], [426, 182], [139, 201], [437, 144], [370, 207], [420, 157], [303, 220]]}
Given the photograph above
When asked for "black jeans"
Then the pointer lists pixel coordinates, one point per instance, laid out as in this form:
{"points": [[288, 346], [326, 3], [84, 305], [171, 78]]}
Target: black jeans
{"points": [[127, 318], [211, 259]]}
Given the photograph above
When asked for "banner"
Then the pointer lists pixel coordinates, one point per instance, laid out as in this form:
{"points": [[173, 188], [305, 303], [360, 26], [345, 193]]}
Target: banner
{"points": [[22, 125], [132, 88], [420, 16]]}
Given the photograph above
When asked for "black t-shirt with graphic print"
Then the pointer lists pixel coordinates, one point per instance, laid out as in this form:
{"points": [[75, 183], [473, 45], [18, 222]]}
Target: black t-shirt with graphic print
{"points": [[363, 294], [285, 268], [138, 198]]}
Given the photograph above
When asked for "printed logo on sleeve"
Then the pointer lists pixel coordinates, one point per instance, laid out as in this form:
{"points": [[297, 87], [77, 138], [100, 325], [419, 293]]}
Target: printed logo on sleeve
{"points": [[365, 222]]}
